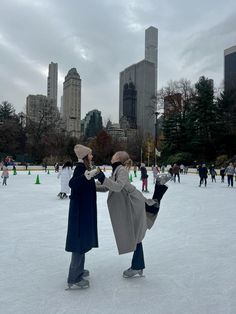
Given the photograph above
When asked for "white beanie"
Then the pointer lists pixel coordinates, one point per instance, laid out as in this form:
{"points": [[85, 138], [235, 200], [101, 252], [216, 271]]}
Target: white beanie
{"points": [[82, 151]]}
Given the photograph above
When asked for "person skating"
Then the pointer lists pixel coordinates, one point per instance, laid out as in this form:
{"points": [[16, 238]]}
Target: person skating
{"points": [[202, 170], [144, 177], [130, 212], [176, 170], [213, 173], [65, 176], [56, 167], [135, 170], [222, 174], [155, 172], [230, 171], [5, 175], [170, 171], [82, 221]]}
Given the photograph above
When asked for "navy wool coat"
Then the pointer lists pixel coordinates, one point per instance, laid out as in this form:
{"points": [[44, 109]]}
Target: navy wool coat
{"points": [[82, 220]]}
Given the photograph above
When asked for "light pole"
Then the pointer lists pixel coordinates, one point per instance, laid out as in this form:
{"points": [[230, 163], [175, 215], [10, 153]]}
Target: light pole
{"points": [[156, 116], [156, 110]]}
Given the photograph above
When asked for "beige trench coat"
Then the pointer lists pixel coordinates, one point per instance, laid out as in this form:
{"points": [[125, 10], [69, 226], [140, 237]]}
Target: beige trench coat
{"points": [[127, 210]]}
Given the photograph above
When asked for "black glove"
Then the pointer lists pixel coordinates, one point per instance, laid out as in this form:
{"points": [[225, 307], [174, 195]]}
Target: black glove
{"points": [[100, 176]]}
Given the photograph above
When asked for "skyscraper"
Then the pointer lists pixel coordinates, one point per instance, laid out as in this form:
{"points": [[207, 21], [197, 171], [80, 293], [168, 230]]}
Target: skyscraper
{"points": [[52, 81], [91, 125], [230, 69], [138, 108], [72, 102], [151, 46]]}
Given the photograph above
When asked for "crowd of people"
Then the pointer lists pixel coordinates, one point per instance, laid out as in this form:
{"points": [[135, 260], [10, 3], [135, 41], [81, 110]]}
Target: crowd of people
{"points": [[228, 171], [131, 213]]}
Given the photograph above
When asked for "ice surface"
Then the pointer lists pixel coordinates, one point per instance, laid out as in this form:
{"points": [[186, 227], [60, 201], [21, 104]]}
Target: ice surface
{"points": [[190, 253]]}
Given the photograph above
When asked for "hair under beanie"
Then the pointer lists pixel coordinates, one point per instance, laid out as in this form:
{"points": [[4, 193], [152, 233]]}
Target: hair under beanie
{"points": [[82, 151]]}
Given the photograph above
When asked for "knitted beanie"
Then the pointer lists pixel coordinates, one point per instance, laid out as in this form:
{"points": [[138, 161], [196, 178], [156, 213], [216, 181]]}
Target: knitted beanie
{"points": [[82, 151]]}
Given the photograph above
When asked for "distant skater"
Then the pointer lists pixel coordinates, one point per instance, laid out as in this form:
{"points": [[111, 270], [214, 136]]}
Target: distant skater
{"points": [[144, 177], [202, 170], [176, 171], [213, 174], [222, 174], [5, 175], [230, 171], [65, 176]]}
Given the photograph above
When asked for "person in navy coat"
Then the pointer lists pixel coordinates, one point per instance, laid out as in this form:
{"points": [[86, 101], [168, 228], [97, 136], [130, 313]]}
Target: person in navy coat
{"points": [[82, 220], [202, 170]]}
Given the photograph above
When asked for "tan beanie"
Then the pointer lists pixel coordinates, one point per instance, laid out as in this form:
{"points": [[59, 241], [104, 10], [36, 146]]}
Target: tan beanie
{"points": [[82, 151]]}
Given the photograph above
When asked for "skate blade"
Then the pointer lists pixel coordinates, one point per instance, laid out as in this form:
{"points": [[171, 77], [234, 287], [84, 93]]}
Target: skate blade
{"points": [[135, 276], [76, 288]]}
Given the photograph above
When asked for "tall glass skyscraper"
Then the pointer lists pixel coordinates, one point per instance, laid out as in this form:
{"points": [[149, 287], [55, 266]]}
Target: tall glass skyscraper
{"points": [[230, 69]]}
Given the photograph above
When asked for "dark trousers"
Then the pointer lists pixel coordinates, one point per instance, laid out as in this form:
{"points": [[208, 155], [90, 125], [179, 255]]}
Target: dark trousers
{"points": [[138, 258], [176, 174], [222, 178], [230, 180], [4, 182], [201, 181], [76, 267]]}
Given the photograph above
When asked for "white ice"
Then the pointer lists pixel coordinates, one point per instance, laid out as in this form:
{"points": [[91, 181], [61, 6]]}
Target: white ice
{"points": [[190, 253]]}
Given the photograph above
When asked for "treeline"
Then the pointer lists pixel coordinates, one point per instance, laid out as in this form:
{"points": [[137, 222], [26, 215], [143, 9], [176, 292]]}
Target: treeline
{"points": [[199, 124], [47, 141]]}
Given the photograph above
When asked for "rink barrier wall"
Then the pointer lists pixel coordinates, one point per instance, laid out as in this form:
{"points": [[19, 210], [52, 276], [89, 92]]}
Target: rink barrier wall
{"points": [[51, 168]]}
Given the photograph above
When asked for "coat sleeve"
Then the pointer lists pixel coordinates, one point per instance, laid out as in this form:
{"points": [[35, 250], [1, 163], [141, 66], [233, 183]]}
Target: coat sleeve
{"points": [[117, 186], [77, 180], [100, 187]]}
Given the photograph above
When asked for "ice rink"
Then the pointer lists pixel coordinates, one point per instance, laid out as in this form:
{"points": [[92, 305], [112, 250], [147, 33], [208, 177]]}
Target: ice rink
{"points": [[190, 253]]}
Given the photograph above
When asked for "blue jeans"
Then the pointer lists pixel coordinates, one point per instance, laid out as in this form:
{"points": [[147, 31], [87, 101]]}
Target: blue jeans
{"points": [[230, 180], [76, 268], [138, 258]]}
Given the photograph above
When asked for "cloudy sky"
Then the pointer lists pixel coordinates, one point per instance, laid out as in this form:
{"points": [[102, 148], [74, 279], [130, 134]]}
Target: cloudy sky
{"points": [[102, 37]]}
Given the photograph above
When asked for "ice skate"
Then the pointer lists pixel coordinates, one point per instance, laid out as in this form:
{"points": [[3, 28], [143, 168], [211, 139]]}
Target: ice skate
{"points": [[82, 284], [59, 195], [64, 196], [86, 273], [129, 273]]}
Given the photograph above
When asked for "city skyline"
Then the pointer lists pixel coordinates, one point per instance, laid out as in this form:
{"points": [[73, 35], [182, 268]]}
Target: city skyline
{"points": [[34, 33]]}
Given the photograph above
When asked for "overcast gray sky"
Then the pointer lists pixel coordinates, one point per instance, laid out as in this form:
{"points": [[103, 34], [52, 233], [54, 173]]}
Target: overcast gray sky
{"points": [[102, 37]]}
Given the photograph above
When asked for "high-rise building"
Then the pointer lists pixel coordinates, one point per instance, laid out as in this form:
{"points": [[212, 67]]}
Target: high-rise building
{"points": [[91, 125], [151, 46], [138, 86], [230, 69], [52, 81], [41, 109], [72, 102]]}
